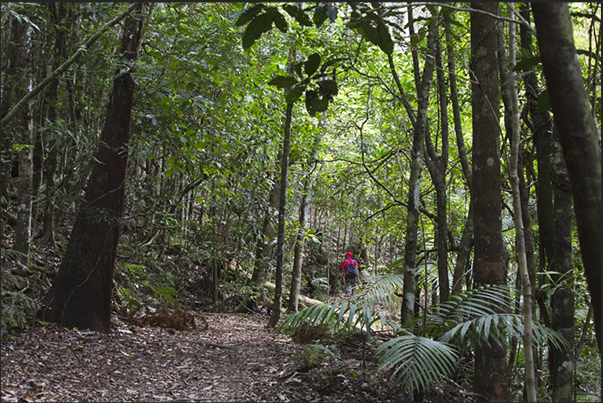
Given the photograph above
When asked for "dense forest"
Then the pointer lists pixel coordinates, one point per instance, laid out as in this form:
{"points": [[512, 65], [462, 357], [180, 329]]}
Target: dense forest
{"points": [[171, 168]]}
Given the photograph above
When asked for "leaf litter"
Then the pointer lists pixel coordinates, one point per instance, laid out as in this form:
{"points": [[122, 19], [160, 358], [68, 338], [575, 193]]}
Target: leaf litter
{"points": [[235, 358]]}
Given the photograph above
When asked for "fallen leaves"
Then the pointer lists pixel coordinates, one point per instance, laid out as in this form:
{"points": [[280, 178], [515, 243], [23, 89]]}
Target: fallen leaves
{"points": [[140, 363]]}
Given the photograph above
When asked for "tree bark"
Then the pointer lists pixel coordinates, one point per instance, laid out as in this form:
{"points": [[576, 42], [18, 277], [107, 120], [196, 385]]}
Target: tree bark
{"points": [[282, 207], [59, 12], [22, 133], [437, 166], [265, 247], [80, 295], [465, 244], [280, 244], [414, 188], [491, 370], [561, 361], [299, 242], [578, 134], [511, 103]]}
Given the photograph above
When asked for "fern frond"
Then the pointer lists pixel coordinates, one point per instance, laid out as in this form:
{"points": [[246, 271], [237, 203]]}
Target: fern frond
{"points": [[418, 362], [380, 288]]}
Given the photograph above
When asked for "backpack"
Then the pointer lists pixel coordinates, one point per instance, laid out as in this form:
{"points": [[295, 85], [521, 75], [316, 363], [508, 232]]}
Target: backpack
{"points": [[351, 269]]}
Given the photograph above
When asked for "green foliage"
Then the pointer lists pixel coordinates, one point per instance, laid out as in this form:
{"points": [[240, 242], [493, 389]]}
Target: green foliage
{"points": [[18, 310], [166, 294], [317, 353], [417, 362], [19, 305], [372, 26], [469, 318], [320, 286]]}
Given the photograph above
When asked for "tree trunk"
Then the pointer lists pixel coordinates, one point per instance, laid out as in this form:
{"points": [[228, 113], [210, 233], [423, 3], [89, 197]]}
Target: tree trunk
{"points": [[265, 245], [578, 134], [562, 363], [80, 295], [491, 371], [437, 166], [59, 12], [299, 242], [511, 103], [280, 245], [23, 135], [414, 189], [465, 244], [282, 207], [464, 253]]}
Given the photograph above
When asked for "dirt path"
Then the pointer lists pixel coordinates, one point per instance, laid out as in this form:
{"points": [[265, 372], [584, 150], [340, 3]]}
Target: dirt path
{"points": [[236, 359], [223, 363]]}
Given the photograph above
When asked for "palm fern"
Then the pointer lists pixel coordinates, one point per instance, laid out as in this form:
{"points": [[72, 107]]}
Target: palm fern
{"points": [[418, 362], [472, 317]]}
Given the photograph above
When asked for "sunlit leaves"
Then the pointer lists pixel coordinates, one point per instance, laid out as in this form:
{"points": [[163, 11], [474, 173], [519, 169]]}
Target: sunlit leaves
{"points": [[373, 27]]}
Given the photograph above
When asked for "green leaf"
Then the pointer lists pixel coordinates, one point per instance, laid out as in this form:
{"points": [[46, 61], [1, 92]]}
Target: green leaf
{"points": [[299, 15], [294, 93], [378, 36], [332, 12], [320, 104], [283, 81], [298, 69], [248, 14], [311, 96], [329, 63], [320, 15], [386, 43], [312, 64], [329, 86], [278, 19], [260, 24], [544, 102], [526, 63]]}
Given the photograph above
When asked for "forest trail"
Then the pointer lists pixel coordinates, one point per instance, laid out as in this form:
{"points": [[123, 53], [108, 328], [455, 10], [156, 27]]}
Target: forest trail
{"points": [[236, 359], [225, 362]]}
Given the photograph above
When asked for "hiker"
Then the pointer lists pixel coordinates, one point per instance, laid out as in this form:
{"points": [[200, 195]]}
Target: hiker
{"points": [[351, 274]]}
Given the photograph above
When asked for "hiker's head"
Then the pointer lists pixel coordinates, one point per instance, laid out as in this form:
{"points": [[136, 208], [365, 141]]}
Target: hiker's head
{"points": [[349, 254]]}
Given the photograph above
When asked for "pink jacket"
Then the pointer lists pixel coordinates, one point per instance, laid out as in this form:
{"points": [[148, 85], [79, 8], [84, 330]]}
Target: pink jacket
{"points": [[344, 266]]}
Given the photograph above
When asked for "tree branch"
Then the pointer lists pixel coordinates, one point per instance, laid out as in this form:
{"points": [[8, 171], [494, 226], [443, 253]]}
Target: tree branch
{"points": [[65, 65]]}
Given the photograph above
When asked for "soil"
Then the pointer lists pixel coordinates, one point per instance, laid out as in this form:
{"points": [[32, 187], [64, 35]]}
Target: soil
{"points": [[235, 358]]}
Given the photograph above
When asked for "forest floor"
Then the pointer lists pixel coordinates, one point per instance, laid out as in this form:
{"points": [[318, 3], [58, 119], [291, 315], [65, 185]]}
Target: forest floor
{"points": [[235, 358]]}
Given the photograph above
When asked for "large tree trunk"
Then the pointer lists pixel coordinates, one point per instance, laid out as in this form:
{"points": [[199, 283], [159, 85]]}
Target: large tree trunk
{"points": [[80, 295], [491, 370], [561, 361], [578, 134]]}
